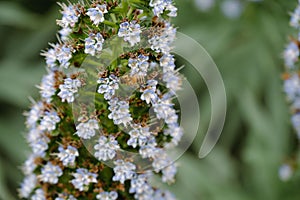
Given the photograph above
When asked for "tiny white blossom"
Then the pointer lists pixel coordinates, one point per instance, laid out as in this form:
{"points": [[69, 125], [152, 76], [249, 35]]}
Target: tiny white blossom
{"points": [[94, 44], [295, 18], [49, 121], [172, 80], [40, 146], [140, 185], [139, 66], [106, 148], [87, 130], [68, 156], [64, 33], [29, 165], [163, 195], [130, 31], [59, 54], [27, 186], [291, 54], [34, 114], [292, 87], [108, 86], [97, 14], [168, 173], [123, 171], [160, 5], [139, 136], [107, 195], [50, 173], [68, 89], [70, 15], [176, 132], [162, 41], [47, 89], [119, 112], [82, 179], [39, 195], [65, 197]]}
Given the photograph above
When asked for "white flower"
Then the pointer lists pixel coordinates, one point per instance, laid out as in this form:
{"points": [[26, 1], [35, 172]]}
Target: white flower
{"points": [[50, 173], [67, 156], [65, 197], [29, 165], [70, 15], [292, 87], [162, 41], [176, 132], [149, 150], [168, 173], [34, 114], [130, 31], [93, 44], [68, 89], [291, 54], [106, 148], [64, 33], [47, 89], [296, 123], [27, 186], [167, 62], [87, 130], [58, 54], [39, 195], [123, 171], [40, 146], [295, 18], [172, 80], [119, 112], [164, 110], [107, 195], [139, 66], [49, 121], [139, 136], [82, 179], [160, 5], [97, 14], [163, 195], [139, 184], [108, 86]]}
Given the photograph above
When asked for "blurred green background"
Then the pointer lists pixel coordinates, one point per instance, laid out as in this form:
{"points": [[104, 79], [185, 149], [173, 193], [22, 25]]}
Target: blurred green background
{"points": [[257, 137]]}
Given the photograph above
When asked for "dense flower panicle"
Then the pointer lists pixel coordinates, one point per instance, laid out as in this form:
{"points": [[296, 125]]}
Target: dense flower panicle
{"points": [[291, 87], [82, 179], [68, 89], [87, 130], [133, 86], [106, 148], [130, 31]]}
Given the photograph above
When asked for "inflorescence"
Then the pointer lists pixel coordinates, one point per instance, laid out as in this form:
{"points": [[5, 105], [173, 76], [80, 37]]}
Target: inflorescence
{"points": [[85, 159]]}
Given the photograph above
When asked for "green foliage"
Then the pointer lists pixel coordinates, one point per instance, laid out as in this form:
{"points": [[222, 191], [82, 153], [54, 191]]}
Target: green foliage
{"points": [[257, 136]]}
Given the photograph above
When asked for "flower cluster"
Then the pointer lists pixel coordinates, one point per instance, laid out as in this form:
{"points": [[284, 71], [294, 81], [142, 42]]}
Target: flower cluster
{"points": [[291, 86], [103, 154]]}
